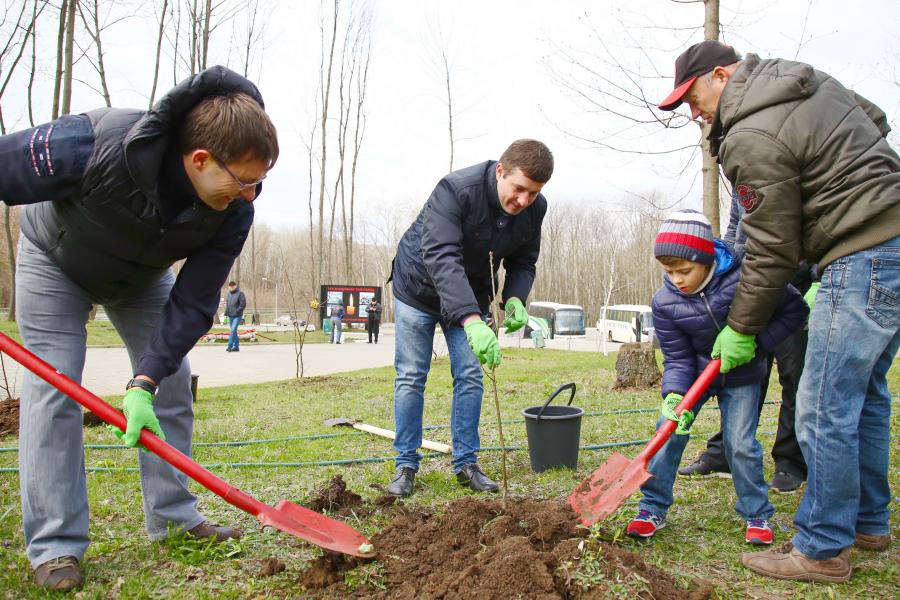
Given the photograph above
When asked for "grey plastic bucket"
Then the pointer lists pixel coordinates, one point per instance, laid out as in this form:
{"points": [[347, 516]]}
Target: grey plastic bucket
{"points": [[554, 433]]}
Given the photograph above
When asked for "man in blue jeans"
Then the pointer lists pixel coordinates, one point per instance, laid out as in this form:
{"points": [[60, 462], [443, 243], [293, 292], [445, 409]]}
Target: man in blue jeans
{"points": [[442, 276], [811, 167], [113, 198], [235, 303]]}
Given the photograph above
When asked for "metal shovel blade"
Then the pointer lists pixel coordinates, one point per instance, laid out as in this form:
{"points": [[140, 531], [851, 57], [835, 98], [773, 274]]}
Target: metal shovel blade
{"points": [[607, 488], [315, 528]]}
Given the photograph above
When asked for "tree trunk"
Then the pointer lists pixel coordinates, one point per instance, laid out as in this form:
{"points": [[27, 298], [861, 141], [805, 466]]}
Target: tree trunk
{"points": [[60, 44], [66, 103], [636, 367], [710, 167], [159, 39], [12, 262]]}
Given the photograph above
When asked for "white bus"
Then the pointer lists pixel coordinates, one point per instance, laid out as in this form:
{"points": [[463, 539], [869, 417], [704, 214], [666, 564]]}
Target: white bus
{"points": [[563, 319], [619, 322]]}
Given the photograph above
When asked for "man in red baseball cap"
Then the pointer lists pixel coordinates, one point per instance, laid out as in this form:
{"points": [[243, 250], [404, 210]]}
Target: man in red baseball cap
{"points": [[810, 165]]}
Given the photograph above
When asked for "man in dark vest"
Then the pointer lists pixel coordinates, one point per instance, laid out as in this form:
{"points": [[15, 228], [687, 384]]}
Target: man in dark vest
{"points": [[113, 198]]}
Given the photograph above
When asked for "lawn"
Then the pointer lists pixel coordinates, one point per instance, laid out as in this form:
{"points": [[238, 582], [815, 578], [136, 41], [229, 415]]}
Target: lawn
{"points": [[704, 538], [102, 333]]}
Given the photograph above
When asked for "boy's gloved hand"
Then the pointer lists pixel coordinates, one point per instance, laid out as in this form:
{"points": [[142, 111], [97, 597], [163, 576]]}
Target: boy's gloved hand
{"points": [[668, 411], [138, 408], [810, 295], [733, 348], [483, 342], [516, 316]]}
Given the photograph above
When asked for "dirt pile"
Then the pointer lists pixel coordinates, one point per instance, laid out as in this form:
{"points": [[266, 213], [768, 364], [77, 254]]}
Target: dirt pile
{"points": [[474, 549], [334, 498], [9, 417]]}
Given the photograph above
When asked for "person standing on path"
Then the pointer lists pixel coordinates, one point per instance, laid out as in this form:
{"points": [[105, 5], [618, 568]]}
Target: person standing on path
{"points": [[812, 168], [337, 314], [113, 197], [442, 275], [373, 321], [235, 303]]}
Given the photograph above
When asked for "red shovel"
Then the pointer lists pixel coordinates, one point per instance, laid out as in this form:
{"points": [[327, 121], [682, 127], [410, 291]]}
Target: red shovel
{"points": [[301, 522], [607, 488]]}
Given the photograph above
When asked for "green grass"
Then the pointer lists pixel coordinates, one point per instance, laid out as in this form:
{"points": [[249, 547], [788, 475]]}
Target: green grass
{"points": [[704, 538], [102, 333]]}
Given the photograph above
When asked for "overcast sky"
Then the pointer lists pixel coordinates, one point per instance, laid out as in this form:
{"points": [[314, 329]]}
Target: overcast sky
{"points": [[504, 56]]}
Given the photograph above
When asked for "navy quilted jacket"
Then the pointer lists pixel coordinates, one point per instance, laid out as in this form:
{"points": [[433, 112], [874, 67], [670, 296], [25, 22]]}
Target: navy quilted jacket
{"points": [[687, 326]]}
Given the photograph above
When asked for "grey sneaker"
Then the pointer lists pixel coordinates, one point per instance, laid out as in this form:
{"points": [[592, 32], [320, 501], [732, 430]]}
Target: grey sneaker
{"points": [[699, 468], [401, 484]]}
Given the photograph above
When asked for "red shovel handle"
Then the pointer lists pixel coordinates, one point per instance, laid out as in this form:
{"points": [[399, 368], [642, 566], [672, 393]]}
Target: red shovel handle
{"points": [[99, 407], [687, 403]]}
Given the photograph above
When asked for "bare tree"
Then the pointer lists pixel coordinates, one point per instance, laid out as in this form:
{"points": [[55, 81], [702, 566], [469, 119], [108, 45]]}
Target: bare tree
{"points": [[89, 12], [66, 101], [159, 40]]}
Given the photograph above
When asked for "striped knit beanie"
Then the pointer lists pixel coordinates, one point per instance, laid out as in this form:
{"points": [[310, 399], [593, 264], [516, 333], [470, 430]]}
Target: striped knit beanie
{"points": [[685, 234]]}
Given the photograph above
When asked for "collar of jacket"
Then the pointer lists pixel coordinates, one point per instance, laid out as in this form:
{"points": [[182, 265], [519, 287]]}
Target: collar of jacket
{"points": [[491, 183], [146, 142]]}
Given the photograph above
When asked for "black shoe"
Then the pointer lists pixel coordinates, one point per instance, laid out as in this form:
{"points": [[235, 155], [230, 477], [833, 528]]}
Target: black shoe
{"points": [[700, 468], [402, 482], [235, 349], [473, 477], [785, 483], [227, 349]]}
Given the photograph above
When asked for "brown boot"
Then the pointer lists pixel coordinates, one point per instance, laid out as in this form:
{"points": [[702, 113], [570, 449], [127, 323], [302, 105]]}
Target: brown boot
{"points": [[787, 562], [212, 530], [877, 543], [61, 574]]}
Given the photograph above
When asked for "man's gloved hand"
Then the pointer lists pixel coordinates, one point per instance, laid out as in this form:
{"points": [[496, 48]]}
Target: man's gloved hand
{"points": [[516, 316], [138, 408], [733, 348], [483, 342], [668, 411], [810, 295]]}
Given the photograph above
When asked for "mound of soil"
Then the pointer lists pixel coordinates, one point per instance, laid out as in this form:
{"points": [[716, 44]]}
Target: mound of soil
{"points": [[475, 549], [9, 417], [334, 498]]}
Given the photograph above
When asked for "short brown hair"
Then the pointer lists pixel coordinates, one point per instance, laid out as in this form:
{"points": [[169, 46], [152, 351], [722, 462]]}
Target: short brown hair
{"points": [[532, 157], [230, 127], [671, 261]]}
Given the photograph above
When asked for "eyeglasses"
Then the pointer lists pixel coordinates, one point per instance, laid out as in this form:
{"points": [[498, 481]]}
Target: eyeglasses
{"points": [[242, 185]]}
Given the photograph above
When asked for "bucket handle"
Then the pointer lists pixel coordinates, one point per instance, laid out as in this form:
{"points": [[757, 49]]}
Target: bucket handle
{"points": [[565, 386]]}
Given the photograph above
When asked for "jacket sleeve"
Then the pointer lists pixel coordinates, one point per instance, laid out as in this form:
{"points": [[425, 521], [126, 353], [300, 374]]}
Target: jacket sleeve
{"points": [[789, 316], [442, 253], [679, 359], [874, 113], [194, 298], [46, 162], [767, 182], [242, 304], [521, 265]]}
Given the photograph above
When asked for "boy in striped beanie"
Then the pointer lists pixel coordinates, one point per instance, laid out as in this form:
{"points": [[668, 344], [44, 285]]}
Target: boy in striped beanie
{"points": [[701, 275]]}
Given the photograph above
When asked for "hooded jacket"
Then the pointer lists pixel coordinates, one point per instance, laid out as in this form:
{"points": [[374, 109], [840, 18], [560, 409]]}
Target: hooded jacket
{"points": [[810, 164], [687, 325], [235, 303], [442, 265], [95, 205]]}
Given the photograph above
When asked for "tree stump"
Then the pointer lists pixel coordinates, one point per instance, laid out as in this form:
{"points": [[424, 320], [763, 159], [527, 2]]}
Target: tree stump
{"points": [[636, 367]]}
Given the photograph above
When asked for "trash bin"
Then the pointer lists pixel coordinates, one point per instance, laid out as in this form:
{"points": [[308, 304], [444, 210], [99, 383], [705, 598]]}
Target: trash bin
{"points": [[326, 327], [554, 433], [194, 378], [537, 336]]}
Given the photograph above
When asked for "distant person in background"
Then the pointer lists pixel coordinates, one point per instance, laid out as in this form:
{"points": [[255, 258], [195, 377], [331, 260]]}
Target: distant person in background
{"points": [[337, 314], [442, 275], [374, 319], [235, 303]]}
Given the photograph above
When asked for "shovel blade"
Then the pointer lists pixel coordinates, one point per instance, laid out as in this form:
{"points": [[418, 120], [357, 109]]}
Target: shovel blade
{"points": [[607, 488], [315, 528]]}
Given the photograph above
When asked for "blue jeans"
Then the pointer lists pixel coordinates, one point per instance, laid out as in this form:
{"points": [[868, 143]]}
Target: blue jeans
{"points": [[739, 416], [52, 313], [233, 340], [414, 332], [843, 404], [335, 331]]}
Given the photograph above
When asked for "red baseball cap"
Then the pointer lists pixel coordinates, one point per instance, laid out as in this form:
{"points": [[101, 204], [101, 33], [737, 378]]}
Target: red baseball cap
{"points": [[695, 61]]}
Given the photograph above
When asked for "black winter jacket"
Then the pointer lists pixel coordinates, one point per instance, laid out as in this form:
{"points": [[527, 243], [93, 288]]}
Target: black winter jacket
{"points": [[442, 265], [95, 206], [687, 326], [235, 303]]}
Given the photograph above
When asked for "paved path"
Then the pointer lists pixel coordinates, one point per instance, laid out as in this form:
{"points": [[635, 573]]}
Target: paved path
{"points": [[107, 369]]}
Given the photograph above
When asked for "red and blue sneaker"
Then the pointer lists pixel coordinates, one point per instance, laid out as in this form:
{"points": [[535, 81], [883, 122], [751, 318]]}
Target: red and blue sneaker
{"points": [[759, 532], [645, 524]]}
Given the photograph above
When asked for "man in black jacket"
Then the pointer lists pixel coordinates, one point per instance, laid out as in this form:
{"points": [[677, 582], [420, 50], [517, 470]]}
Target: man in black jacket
{"points": [[235, 303], [112, 198], [442, 275]]}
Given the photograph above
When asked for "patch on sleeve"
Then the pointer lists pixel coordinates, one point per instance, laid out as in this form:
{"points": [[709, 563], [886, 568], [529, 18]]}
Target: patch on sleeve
{"points": [[747, 197]]}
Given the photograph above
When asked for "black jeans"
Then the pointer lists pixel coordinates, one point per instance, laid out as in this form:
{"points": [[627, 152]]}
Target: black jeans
{"points": [[373, 327], [790, 355]]}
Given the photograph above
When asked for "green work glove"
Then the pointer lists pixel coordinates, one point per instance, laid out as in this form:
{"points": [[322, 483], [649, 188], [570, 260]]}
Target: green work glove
{"points": [[138, 408], [516, 317], [483, 342], [733, 348], [810, 295], [668, 411]]}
